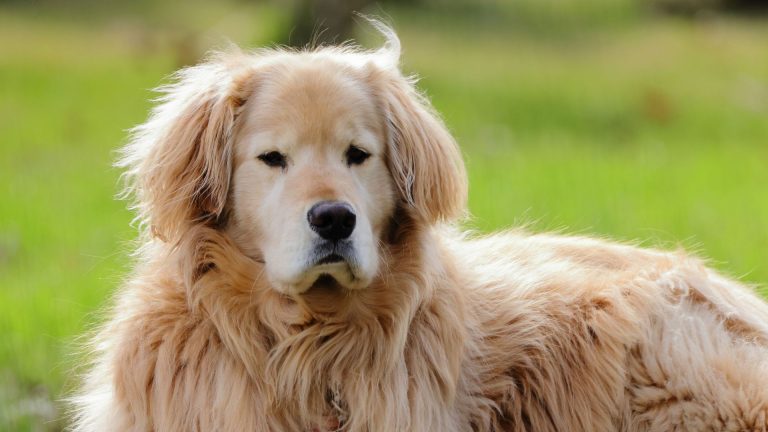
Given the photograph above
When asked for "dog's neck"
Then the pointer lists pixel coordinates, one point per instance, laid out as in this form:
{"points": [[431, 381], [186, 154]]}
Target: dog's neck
{"points": [[311, 350]]}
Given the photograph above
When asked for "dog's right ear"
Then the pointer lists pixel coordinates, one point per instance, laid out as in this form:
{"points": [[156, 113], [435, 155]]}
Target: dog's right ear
{"points": [[179, 162]]}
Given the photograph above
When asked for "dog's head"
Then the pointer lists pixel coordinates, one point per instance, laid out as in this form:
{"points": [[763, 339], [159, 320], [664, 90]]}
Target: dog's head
{"points": [[303, 158]]}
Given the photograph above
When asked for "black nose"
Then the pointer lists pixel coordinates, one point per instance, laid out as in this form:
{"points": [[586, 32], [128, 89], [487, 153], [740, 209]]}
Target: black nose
{"points": [[332, 220]]}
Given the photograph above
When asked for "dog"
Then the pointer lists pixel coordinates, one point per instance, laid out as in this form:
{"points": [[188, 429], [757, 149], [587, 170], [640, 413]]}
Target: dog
{"points": [[301, 269]]}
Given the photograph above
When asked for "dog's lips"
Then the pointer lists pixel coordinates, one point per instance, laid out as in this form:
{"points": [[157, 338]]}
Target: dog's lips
{"points": [[334, 270], [331, 259], [335, 264]]}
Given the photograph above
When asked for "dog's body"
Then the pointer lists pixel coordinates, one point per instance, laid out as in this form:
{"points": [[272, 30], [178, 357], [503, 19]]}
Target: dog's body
{"points": [[241, 317]]}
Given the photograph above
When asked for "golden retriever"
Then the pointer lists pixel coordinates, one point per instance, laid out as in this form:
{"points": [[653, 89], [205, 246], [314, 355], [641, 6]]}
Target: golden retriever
{"points": [[300, 271]]}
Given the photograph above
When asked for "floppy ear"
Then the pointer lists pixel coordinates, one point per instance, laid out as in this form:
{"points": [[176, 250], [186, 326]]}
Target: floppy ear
{"points": [[423, 156], [179, 161]]}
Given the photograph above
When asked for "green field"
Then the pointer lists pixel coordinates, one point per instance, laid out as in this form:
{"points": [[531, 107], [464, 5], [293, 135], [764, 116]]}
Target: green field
{"points": [[650, 129]]}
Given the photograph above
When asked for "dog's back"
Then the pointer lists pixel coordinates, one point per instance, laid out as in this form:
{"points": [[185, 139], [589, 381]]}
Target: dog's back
{"points": [[581, 334]]}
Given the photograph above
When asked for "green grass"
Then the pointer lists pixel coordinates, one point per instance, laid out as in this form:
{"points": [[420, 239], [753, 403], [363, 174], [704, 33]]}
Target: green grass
{"points": [[652, 130]]}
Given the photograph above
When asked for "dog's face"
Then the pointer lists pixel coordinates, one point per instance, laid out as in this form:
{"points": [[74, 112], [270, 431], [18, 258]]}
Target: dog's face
{"points": [[312, 192], [302, 159]]}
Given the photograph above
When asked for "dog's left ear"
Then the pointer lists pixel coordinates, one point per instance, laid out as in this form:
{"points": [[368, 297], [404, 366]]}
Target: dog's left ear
{"points": [[424, 159], [423, 156], [179, 162]]}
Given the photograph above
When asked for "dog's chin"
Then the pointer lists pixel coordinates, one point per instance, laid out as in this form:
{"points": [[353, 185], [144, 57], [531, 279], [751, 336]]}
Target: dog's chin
{"points": [[326, 286]]}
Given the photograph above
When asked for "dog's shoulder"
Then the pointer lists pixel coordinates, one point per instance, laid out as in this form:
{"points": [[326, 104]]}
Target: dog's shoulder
{"points": [[551, 263]]}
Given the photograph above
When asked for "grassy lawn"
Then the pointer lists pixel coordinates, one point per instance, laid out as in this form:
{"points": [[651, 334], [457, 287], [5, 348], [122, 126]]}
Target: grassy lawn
{"points": [[654, 130]]}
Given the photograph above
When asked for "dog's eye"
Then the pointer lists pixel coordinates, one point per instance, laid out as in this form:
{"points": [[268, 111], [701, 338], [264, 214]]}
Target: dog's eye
{"points": [[273, 159], [356, 155]]}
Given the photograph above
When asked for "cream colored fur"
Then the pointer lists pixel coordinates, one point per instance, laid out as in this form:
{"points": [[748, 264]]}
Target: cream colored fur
{"points": [[220, 329]]}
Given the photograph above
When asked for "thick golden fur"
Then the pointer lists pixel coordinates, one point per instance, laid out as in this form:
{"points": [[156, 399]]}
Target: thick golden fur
{"points": [[509, 332]]}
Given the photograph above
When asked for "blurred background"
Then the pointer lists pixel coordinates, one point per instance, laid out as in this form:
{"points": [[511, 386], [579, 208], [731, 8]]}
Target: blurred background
{"points": [[634, 119]]}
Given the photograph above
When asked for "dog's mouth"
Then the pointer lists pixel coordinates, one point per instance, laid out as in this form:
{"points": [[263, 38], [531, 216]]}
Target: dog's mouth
{"points": [[331, 266], [330, 259], [333, 253], [334, 270]]}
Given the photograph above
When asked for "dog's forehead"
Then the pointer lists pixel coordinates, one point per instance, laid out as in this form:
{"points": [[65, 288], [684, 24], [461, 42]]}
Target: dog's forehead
{"points": [[313, 100]]}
